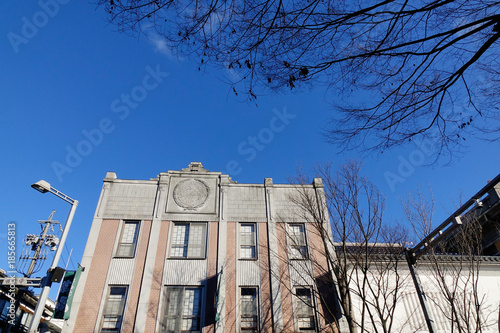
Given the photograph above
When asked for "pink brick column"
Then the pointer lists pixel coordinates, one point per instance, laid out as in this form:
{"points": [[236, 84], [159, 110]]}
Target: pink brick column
{"points": [[154, 297], [265, 280], [322, 277], [97, 273], [135, 287], [286, 293], [230, 272]]}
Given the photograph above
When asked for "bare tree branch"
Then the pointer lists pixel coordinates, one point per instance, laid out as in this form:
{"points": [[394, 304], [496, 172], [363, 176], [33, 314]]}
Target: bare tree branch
{"points": [[396, 69]]}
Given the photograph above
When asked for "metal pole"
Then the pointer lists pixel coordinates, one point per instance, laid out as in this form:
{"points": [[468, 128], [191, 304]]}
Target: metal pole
{"points": [[65, 268], [421, 296], [46, 283]]}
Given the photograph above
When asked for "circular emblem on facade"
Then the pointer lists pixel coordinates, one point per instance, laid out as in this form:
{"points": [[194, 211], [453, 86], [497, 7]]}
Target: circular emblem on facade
{"points": [[191, 193]]}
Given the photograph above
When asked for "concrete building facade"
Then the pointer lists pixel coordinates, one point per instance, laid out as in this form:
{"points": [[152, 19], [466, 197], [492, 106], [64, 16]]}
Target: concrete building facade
{"points": [[194, 251]]}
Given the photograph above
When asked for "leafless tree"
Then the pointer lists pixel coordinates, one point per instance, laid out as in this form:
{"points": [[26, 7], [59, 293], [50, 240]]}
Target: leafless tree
{"points": [[403, 70], [363, 254], [454, 266]]}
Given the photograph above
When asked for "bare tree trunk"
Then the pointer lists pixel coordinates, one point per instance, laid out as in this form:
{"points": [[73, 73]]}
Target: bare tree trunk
{"points": [[362, 252]]}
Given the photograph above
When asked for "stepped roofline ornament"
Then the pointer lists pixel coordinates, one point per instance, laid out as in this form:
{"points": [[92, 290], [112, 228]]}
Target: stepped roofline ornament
{"points": [[195, 167]]}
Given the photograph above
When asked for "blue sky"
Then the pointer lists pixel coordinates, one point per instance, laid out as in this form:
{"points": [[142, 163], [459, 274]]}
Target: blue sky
{"points": [[79, 99]]}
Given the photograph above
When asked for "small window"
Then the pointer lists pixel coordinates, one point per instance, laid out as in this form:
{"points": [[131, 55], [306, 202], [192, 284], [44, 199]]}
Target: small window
{"points": [[128, 239], [298, 245], [249, 310], [113, 310], [188, 240], [182, 310], [247, 241], [304, 309]]}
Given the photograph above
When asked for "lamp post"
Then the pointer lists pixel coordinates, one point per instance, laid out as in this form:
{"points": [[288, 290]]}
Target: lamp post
{"points": [[44, 187]]}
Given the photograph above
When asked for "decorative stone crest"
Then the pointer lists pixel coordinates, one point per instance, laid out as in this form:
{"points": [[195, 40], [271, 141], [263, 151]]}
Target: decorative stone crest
{"points": [[191, 193]]}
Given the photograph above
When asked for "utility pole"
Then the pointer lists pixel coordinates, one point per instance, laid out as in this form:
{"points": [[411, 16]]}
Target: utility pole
{"points": [[37, 243]]}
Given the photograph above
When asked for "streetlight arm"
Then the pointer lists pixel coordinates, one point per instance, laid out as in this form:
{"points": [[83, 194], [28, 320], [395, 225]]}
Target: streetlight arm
{"points": [[63, 196], [44, 187]]}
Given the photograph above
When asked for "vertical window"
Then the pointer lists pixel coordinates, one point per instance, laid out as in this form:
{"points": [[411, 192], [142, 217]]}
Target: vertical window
{"points": [[247, 241], [113, 310], [188, 240], [298, 245], [128, 239], [304, 309], [249, 309], [182, 310]]}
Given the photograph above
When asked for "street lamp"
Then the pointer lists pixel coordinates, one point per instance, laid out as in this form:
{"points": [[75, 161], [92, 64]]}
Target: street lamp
{"points": [[44, 187]]}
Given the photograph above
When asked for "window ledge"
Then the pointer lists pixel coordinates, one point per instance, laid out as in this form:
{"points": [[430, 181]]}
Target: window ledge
{"points": [[182, 258]]}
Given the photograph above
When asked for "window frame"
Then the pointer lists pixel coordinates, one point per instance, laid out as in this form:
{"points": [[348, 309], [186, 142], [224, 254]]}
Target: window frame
{"points": [[298, 247], [257, 310], [312, 307], [105, 310], [122, 244], [189, 245], [164, 317], [241, 245]]}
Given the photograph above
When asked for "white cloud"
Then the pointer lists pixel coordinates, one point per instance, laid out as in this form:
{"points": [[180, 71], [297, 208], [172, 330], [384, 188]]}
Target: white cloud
{"points": [[160, 45]]}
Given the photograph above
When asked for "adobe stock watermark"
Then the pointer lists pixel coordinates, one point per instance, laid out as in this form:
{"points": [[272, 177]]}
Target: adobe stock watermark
{"points": [[30, 26], [254, 144], [121, 107], [406, 166]]}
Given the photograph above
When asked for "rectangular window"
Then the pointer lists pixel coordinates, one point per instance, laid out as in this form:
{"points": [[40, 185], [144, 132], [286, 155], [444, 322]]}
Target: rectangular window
{"points": [[304, 309], [128, 239], [113, 309], [249, 309], [188, 240], [182, 310], [298, 245], [247, 241]]}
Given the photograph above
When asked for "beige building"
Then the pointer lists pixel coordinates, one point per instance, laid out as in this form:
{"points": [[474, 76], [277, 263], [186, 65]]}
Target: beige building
{"points": [[194, 251]]}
